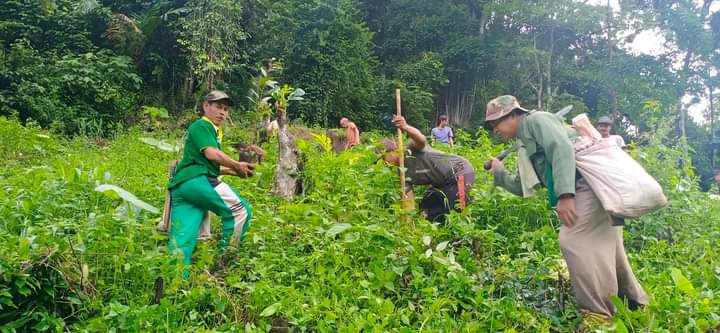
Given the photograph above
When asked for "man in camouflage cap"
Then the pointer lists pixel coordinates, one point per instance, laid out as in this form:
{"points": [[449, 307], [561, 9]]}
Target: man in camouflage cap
{"points": [[592, 247]]}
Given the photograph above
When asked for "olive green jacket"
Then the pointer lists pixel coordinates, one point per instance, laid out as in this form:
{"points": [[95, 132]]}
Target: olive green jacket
{"points": [[548, 142]]}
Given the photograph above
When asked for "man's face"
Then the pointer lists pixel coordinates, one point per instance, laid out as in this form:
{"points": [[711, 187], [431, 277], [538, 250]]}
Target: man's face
{"points": [[391, 159], [216, 111], [507, 127], [444, 123], [604, 129]]}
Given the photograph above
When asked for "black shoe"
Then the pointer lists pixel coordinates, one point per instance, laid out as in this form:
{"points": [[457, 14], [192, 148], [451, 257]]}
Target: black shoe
{"points": [[159, 290], [634, 306]]}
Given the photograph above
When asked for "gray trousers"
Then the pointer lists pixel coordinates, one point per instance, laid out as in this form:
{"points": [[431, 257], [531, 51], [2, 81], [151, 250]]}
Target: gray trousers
{"points": [[594, 252]]}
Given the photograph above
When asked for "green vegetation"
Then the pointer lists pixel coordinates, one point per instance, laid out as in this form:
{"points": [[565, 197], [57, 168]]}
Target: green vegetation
{"points": [[95, 94], [335, 259]]}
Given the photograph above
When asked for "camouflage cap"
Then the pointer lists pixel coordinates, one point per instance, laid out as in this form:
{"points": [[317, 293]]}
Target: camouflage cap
{"points": [[383, 147], [605, 120], [217, 95], [501, 106]]}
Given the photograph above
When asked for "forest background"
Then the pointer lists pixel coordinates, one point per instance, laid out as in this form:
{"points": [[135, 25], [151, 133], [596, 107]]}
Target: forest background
{"points": [[92, 67]]}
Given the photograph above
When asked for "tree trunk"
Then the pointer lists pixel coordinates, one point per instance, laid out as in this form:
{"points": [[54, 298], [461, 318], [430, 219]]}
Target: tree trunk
{"points": [[189, 85], [680, 109], [538, 70], [288, 166], [548, 82], [712, 128], [456, 101], [612, 94]]}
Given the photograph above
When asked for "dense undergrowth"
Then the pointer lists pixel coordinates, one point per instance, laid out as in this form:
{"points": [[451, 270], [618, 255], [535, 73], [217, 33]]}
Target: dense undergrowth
{"points": [[333, 260]]}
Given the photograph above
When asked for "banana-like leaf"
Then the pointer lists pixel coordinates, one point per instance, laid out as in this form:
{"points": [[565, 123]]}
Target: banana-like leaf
{"points": [[127, 196], [160, 144]]}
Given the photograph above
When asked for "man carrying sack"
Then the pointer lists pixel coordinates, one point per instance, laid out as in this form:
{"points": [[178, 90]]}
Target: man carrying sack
{"points": [[592, 247], [196, 189], [451, 177]]}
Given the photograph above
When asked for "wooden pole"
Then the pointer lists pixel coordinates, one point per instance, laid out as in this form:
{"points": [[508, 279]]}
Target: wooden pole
{"points": [[404, 207], [401, 149]]}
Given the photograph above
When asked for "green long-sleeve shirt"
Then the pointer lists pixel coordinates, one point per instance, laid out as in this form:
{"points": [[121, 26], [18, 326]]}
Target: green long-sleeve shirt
{"points": [[546, 139]]}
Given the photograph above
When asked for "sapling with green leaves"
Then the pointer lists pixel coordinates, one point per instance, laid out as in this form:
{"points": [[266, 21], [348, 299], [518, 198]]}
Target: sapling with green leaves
{"points": [[260, 96], [288, 166]]}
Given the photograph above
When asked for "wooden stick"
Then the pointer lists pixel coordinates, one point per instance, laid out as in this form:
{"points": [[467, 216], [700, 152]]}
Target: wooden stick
{"points": [[401, 163], [167, 208], [401, 149]]}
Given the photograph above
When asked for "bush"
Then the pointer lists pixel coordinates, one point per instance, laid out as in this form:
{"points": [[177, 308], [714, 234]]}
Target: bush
{"points": [[76, 94], [334, 260]]}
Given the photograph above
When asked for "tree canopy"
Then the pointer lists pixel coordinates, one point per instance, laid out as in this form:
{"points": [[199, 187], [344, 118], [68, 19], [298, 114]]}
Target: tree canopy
{"points": [[76, 65]]}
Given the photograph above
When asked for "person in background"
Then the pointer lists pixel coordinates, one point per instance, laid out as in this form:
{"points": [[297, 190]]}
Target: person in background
{"points": [[352, 135], [604, 126], [196, 189], [592, 247], [450, 177], [443, 133]]}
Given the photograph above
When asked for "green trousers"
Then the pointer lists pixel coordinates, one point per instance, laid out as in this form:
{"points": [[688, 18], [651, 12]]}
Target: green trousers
{"points": [[191, 200]]}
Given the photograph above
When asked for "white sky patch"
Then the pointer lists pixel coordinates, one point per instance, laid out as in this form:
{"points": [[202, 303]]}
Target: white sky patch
{"points": [[613, 3], [696, 110], [715, 6], [650, 42]]}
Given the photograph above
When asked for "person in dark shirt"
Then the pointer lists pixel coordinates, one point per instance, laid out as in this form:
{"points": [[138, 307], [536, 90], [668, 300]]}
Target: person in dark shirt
{"points": [[450, 177]]}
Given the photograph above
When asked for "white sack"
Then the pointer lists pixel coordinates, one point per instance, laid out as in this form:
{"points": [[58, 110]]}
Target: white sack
{"points": [[624, 188]]}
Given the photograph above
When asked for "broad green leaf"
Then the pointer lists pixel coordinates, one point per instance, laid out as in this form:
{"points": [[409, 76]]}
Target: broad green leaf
{"points": [[162, 145], [387, 307], [681, 282], [351, 237], [270, 310], [620, 326], [296, 95], [127, 196], [441, 246], [338, 228]]}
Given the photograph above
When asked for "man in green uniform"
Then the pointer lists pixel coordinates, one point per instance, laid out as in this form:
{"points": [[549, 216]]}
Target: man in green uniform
{"points": [[195, 189], [592, 247], [450, 177]]}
